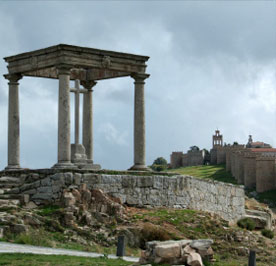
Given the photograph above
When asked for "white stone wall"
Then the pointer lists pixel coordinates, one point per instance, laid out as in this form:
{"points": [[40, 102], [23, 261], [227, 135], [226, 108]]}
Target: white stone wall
{"points": [[176, 191]]}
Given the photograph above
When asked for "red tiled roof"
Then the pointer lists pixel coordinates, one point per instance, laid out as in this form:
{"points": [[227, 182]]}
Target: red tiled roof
{"points": [[257, 143], [263, 150]]}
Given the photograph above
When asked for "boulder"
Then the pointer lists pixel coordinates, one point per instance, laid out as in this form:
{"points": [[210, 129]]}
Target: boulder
{"points": [[194, 259], [177, 252], [170, 250]]}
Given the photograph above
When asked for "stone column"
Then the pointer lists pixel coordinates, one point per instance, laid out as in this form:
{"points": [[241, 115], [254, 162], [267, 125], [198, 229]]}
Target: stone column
{"points": [[13, 123], [77, 110], [139, 124], [64, 148], [87, 123]]}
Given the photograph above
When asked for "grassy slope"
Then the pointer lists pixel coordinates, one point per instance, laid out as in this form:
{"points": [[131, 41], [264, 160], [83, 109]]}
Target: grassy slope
{"points": [[43, 260], [215, 172], [218, 173], [178, 224], [190, 224]]}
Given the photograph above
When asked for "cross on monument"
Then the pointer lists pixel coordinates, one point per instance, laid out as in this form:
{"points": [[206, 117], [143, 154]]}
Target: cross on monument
{"points": [[79, 155], [77, 92]]}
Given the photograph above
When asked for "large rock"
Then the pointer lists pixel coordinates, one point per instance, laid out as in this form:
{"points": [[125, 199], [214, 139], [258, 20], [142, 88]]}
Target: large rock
{"points": [[262, 219], [194, 259], [186, 252], [170, 250]]}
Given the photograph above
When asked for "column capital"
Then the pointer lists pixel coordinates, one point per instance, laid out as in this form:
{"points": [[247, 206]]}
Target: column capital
{"points": [[13, 78], [140, 77], [88, 84], [63, 69]]}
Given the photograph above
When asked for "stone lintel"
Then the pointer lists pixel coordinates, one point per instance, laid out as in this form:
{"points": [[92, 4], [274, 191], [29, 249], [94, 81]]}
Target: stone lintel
{"points": [[103, 64]]}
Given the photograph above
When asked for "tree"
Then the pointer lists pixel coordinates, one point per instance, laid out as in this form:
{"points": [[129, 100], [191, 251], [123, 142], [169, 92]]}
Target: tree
{"points": [[160, 161], [194, 148], [159, 164]]}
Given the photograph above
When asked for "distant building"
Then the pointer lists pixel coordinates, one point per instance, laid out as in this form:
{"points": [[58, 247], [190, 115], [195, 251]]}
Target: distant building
{"points": [[217, 153], [257, 144], [193, 157]]}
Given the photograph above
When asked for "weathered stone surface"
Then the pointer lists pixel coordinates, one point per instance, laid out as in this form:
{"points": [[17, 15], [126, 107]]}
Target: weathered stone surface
{"points": [[18, 228], [262, 219], [171, 250], [30, 205], [194, 259], [176, 252], [226, 200]]}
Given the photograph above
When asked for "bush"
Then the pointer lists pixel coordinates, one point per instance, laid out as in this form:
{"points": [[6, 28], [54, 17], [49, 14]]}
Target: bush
{"points": [[268, 233], [160, 161], [247, 223], [158, 167], [152, 232]]}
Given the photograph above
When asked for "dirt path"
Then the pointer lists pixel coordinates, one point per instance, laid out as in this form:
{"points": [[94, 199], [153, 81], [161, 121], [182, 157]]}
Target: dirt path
{"points": [[19, 248]]}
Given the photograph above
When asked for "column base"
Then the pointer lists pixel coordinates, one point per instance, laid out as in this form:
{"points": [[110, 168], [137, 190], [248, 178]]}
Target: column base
{"points": [[90, 166], [64, 165], [139, 167], [13, 167]]}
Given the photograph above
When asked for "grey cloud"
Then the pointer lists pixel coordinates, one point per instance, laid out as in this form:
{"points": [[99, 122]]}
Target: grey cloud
{"points": [[207, 60]]}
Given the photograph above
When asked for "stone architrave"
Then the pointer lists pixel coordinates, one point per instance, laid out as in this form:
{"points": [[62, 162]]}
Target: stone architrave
{"points": [[139, 124], [13, 123], [64, 143]]}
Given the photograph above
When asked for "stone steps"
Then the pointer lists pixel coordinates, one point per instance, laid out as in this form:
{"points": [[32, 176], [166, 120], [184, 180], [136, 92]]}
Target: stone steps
{"points": [[9, 202], [9, 196], [9, 189]]}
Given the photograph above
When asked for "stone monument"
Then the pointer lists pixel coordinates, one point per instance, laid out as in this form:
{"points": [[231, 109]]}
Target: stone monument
{"points": [[86, 66]]}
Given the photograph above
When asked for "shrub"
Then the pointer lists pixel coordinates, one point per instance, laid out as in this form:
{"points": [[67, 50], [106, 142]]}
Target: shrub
{"points": [[268, 233], [160, 161], [247, 223], [158, 167], [152, 232]]}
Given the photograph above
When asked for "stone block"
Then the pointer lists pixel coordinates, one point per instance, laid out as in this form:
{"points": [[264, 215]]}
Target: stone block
{"points": [[44, 190], [194, 259], [77, 178], [57, 176], [68, 178], [46, 181], [128, 182], [30, 192], [170, 250], [56, 189], [42, 196]]}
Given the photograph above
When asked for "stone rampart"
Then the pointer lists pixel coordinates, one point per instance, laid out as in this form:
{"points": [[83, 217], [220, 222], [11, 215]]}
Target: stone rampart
{"points": [[250, 170], [176, 159], [174, 191], [265, 174], [221, 155]]}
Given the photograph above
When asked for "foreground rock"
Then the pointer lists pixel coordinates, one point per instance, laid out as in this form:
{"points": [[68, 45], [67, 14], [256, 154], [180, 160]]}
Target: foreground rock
{"points": [[188, 252]]}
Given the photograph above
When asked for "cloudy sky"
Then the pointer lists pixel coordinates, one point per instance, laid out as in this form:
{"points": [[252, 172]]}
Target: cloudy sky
{"points": [[212, 65]]}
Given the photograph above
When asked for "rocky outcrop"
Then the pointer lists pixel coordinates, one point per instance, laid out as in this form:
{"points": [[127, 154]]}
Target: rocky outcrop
{"points": [[87, 206], [188, 252], [45, 186], [262, 219]]}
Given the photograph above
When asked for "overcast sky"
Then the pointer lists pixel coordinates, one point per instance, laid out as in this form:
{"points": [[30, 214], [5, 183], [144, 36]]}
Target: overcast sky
{"points": [[212, 65]]}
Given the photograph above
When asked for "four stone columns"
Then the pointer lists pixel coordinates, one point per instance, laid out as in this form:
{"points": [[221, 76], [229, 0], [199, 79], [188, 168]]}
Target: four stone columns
{"points": [[139, 123], [13, 123], [64, 146], [87, 130]]}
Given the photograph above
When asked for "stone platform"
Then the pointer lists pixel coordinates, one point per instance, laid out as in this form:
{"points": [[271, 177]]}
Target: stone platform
{"points": [[140, 189]]}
